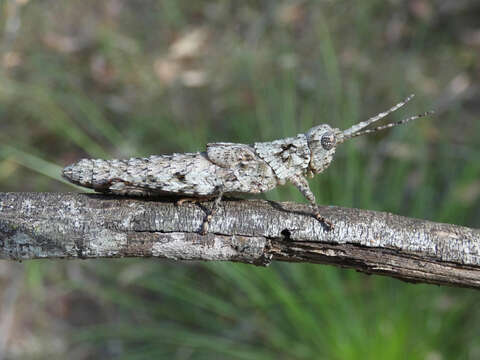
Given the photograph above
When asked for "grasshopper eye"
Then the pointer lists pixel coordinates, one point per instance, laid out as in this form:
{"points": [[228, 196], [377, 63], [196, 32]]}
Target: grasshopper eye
{"points": [[328, 141]]}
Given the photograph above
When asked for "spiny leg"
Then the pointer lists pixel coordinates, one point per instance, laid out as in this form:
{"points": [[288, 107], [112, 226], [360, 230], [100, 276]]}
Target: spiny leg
{"points": [[302, 185], [208, 218]]}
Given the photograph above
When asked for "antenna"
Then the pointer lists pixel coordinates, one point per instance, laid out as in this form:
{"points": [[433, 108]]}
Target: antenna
{"points": [[404, 121], [355, 129]]}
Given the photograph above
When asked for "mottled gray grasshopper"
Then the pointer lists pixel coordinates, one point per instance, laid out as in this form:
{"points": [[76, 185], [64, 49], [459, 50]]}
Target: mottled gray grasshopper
{"points": [[226, 168]]}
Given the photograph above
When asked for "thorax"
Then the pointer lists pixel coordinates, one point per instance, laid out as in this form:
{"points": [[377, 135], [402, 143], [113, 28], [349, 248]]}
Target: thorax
{"points": [[287, 157]]}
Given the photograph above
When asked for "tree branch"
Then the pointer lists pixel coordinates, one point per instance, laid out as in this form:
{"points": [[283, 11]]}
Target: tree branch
{"points": [[65, 225]]}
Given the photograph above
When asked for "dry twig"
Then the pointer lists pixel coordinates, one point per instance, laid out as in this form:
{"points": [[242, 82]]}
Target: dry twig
{"points": [[65, 225]]}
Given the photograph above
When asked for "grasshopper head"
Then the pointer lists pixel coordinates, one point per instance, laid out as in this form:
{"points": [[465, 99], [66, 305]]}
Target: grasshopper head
{"points": [[322, 141]]}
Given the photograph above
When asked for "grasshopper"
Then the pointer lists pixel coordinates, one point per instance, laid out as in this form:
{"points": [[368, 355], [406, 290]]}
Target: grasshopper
{"points": [[227, 168]]}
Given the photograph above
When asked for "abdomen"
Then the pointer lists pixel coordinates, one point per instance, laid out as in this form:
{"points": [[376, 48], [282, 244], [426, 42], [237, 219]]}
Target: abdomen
{"points": [[183, 174]]}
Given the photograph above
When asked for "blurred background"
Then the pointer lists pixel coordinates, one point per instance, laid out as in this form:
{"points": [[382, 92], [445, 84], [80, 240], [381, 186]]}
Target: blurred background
{"points": [[120, 78]]}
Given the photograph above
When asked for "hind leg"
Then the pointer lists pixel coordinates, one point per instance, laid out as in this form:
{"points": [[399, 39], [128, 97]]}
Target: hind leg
{"points": [[210, 213], [208, 218], [193, 200]]}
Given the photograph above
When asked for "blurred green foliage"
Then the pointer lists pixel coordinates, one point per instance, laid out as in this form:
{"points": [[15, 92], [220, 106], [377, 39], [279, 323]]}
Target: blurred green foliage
{"points": [[130, 78]]}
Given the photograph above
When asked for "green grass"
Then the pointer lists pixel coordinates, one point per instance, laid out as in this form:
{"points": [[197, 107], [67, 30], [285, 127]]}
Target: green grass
{"points": [[267, 77]]}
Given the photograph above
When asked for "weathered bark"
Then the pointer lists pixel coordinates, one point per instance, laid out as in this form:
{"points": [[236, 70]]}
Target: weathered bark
{"points": [[60, 225]]}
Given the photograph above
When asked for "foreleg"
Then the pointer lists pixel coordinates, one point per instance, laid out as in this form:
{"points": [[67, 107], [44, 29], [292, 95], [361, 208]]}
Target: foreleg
{"points": [[302, 185]]}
